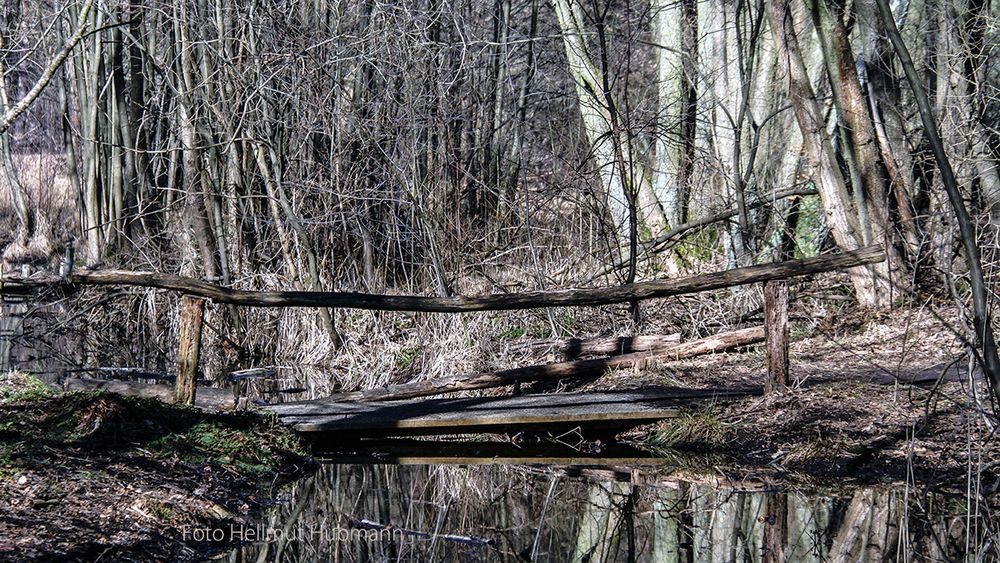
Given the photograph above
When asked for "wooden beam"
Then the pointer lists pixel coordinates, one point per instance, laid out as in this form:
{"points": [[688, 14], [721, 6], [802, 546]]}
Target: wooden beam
{"points": [[189, 350], [574, 348], [776, 329], [208, 398], [563, 370], [465, 304]]}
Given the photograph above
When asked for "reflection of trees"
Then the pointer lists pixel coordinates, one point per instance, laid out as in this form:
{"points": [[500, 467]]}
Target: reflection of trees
{"points": [[534, 515], [868, 531], [808, 520], [608, 515]]}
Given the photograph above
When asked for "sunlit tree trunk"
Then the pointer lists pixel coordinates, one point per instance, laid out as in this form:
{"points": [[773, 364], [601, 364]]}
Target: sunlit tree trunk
{"points": [[808, 520], [857, 133], [675, 32], [870, 283], [619, 166], [598, 532], [668, 536]]}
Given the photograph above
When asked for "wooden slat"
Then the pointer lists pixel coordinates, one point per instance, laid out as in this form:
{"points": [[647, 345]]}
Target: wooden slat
{"points": [[551, 372], [208, 398], [489, 414]]}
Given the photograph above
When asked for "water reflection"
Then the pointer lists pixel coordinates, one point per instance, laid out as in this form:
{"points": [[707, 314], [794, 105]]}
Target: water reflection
{"points": [[44, 337], [527, 513]]}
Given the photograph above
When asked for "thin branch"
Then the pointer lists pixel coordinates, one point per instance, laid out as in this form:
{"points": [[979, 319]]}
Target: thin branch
{"points": [[7, 119]]}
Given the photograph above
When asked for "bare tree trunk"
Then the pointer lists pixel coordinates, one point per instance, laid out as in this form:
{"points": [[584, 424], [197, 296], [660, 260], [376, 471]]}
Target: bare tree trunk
{"points": [[869, 183], [194, 187], [982, 321], [776, 536], [675, 32], [620, 170]]}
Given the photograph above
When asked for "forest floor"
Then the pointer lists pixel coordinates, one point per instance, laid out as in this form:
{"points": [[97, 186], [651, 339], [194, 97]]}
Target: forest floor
{"points": [[843, 417], [89, 476]]}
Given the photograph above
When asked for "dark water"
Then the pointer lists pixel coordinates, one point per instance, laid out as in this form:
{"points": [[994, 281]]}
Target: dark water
{"points": [[55, 342], [546, 513], [433, 504]]}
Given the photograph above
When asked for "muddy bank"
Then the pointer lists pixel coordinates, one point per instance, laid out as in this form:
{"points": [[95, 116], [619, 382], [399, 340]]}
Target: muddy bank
{"points": [[94, 475]]}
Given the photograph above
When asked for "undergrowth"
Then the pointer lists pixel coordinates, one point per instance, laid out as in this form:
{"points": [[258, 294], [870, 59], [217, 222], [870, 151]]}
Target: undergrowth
{"points": [[696, 427], [17, 387]]}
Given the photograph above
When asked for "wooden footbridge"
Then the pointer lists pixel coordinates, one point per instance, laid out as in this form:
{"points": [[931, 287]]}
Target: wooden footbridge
{"points": [[607, 412], [408, 409]]}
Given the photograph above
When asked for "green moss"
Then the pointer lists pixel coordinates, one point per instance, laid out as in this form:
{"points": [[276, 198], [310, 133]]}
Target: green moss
{"points": [[699, 246], [645, 233], [249, 444], [810, 227], [245, 442]]}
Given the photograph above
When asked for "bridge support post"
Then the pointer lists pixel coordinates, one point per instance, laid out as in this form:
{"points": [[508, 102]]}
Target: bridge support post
{"points": [[776, 334], [189, 349]]}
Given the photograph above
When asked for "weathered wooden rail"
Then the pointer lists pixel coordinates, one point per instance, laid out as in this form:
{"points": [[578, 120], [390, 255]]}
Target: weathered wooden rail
{"points": [[459, 304]]}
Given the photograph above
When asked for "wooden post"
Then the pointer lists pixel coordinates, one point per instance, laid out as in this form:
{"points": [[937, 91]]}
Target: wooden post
{"points": [[189, 350], [776, 334]]}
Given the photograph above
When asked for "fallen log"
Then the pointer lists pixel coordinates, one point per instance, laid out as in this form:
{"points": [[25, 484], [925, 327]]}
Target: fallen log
{"points": [[460, 304], [563, 370], [574, 348], [207, 398]]}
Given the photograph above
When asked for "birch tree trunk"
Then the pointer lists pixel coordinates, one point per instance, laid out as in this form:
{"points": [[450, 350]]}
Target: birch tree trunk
{"points": [[675, 33], [620, 173]]}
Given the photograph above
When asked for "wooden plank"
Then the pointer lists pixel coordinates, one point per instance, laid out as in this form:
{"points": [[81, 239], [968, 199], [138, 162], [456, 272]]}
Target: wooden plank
{"points": [[574, 348], [464, 304], [320, 407], [207, 398], [490, 414]]}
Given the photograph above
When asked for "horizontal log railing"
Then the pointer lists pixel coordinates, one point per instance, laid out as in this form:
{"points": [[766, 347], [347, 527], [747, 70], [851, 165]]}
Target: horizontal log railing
{"points": [[459, 304]]}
